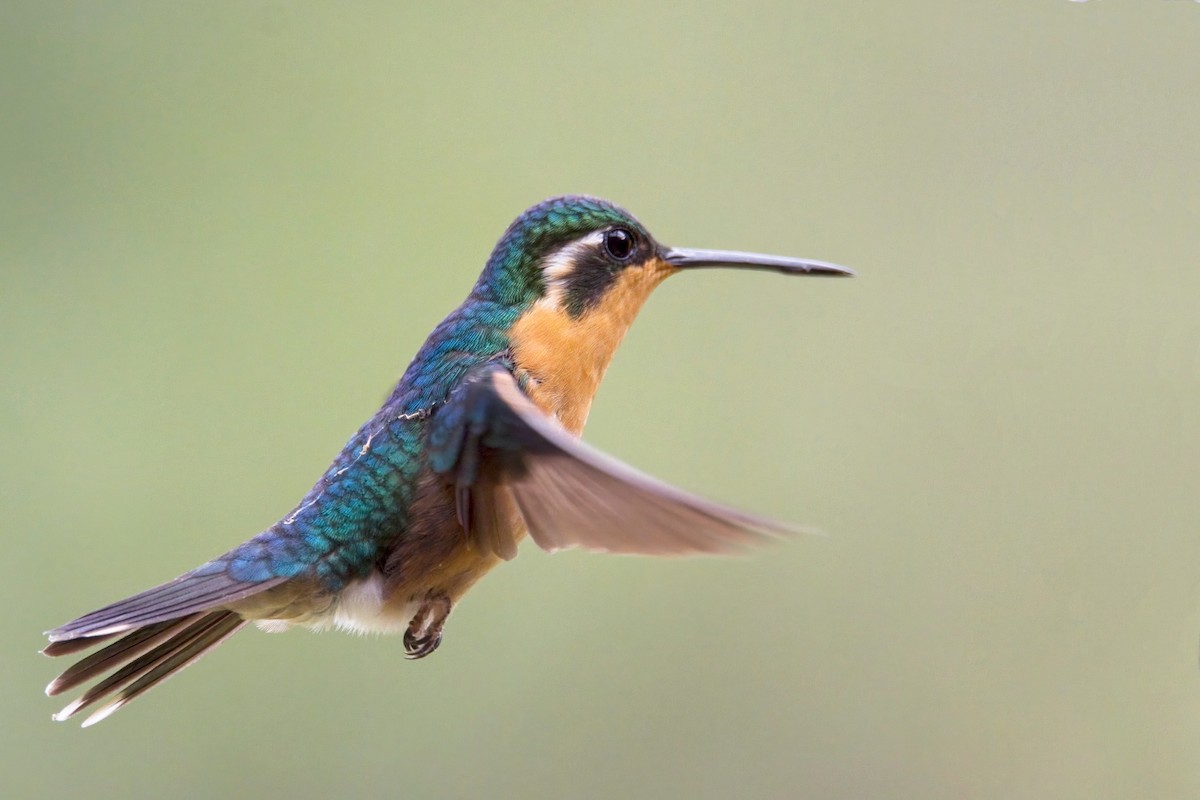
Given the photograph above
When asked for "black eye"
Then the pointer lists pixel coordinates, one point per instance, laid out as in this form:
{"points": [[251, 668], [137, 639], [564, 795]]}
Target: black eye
{"points": [[619, 243]]}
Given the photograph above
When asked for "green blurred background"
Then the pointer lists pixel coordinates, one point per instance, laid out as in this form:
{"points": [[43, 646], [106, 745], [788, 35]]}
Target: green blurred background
{"points": [[227, 226]]}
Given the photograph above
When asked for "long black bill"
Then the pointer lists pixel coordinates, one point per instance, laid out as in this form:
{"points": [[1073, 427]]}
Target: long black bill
{"points": [[687, 258]]}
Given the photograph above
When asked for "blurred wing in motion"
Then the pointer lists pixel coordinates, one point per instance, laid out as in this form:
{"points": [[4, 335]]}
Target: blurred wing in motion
{"points": [[492, 438]]}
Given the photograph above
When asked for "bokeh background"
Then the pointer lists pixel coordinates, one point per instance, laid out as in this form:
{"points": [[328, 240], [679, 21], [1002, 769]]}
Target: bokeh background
{"points": [[225, 227]]}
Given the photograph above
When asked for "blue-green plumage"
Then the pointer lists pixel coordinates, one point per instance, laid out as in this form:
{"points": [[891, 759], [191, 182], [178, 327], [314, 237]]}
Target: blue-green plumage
{"points": [[345, 523], [473, 448]]}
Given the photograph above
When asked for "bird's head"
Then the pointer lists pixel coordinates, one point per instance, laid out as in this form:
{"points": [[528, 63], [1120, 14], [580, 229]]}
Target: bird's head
{"points": [[571, 252], [576, 270]]}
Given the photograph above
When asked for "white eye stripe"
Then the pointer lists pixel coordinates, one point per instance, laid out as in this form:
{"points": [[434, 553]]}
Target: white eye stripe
{"points": [[557, 266]]}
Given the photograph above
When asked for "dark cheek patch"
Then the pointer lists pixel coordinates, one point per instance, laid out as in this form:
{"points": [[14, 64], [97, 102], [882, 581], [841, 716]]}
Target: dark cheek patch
{"points": [[592, 276]]}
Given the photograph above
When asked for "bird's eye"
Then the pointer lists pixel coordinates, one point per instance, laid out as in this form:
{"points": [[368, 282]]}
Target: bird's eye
{"points": [[619, 243]]}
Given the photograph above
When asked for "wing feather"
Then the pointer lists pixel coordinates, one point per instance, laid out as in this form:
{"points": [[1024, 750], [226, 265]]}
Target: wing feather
{"points": [[572, 496]]}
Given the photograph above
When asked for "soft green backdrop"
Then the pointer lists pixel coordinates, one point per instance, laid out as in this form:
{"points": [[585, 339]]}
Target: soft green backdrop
{"points": [[225, 227]]}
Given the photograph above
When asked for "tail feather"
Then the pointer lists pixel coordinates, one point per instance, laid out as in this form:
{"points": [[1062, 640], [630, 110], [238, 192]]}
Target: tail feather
{"points": [[195, 591], [68, 646], [114, 655], [162, 630], [176, 644]]}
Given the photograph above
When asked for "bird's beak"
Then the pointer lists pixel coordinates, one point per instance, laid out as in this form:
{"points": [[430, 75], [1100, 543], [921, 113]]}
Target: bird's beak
{"points": [[686, 258]]}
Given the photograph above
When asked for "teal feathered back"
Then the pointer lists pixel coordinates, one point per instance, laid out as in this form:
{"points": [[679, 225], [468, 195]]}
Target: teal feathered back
{"points": [[361, 503]]}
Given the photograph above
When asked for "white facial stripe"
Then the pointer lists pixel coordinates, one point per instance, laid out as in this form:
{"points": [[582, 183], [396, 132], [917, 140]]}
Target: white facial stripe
{"points": [[557, 266]]}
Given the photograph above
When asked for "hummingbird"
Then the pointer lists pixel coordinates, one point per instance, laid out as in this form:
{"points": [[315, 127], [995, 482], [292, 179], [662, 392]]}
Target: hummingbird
{"points": [[477, 446]]}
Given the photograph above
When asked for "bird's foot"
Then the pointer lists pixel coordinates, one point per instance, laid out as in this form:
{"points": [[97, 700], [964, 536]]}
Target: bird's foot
{"points": [[424, 633]]}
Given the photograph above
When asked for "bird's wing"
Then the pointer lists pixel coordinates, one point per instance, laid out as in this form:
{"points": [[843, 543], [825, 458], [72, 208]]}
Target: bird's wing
{"points": [[491, 438]]}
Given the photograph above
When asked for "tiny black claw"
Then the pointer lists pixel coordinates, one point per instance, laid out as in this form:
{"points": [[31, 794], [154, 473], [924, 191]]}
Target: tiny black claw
{"points": [[418, 647], [424, 633]]}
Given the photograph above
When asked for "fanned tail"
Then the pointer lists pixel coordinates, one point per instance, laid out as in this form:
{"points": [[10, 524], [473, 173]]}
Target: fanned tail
{"points": [[171, 645], [161, 630]]}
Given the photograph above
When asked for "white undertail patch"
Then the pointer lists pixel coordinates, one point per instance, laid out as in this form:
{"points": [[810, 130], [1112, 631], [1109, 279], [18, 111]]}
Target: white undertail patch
{"points": [[361, 608]]}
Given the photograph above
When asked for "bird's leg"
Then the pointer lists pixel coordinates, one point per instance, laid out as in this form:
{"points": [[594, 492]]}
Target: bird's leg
{"points": [[424, 633]]}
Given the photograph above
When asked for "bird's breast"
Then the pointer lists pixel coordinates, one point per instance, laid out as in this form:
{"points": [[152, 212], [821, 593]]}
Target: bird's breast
{"points": [[565, 357]]}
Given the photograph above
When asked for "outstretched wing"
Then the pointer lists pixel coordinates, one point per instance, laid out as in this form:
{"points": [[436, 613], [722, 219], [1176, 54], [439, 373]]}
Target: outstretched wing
{"points": [[491, 439]]}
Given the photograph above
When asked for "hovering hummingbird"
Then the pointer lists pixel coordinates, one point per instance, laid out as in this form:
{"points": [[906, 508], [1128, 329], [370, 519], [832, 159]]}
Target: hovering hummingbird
{"points": [[476, 446]]}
